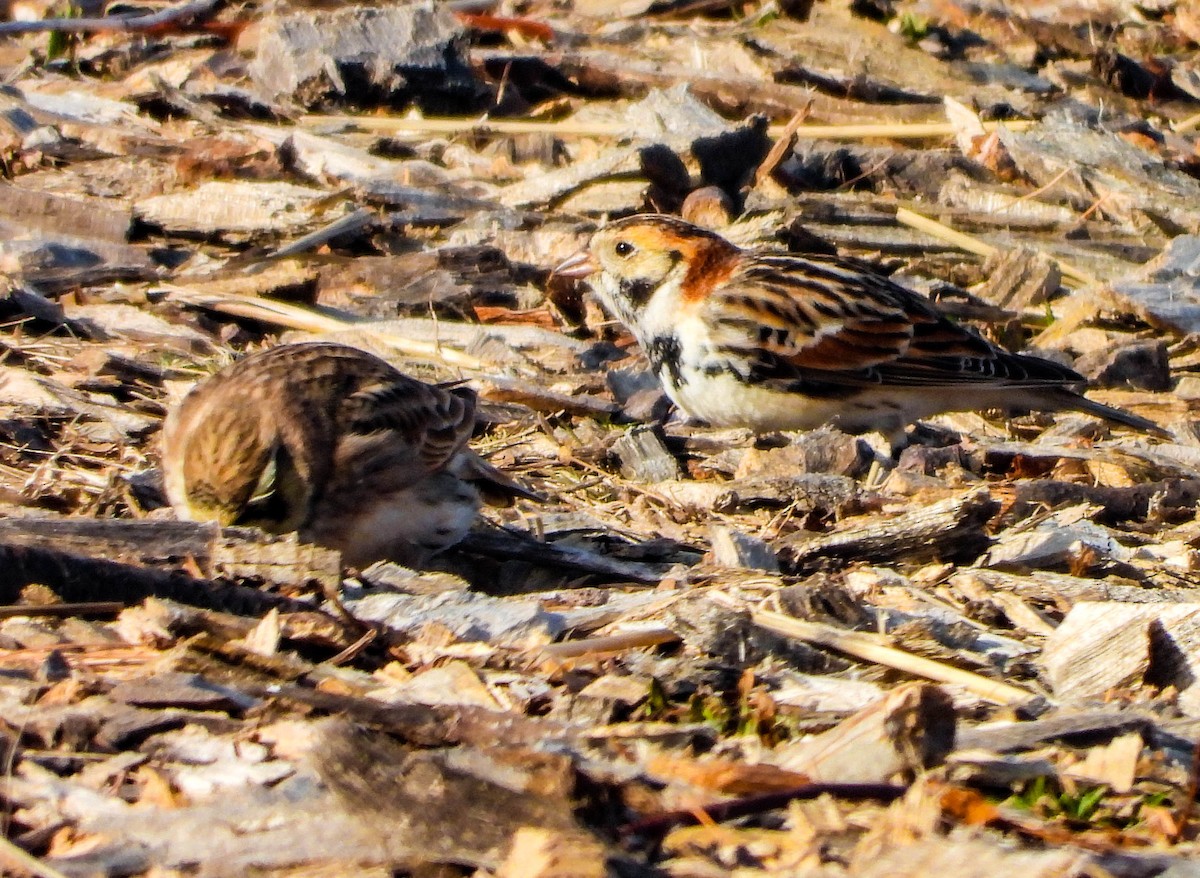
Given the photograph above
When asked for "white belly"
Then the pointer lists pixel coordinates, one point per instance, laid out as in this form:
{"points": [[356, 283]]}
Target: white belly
{"points": [[724, 400]]}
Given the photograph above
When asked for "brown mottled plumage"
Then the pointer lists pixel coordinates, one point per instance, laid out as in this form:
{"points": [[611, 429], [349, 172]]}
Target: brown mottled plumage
{"points": [[774, 341], [332, 442]]}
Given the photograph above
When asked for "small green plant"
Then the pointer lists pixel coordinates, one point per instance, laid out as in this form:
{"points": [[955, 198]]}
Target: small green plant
{"points": [[913, 27], [656, 705], [1047, 798], [1083, 806], [62, 44]]}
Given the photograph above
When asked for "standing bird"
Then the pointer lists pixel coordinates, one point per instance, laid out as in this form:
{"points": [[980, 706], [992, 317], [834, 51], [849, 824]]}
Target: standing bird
{"points": [[771, 341], [334, 443]]}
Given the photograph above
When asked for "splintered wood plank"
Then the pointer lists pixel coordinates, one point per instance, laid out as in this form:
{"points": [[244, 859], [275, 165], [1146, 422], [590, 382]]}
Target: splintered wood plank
{"points": [[234, 209], [964, 858], [74, 576], [233, 552], [951, 529], [906, 731], [361, 54], [78, 216], [1112, 645]]}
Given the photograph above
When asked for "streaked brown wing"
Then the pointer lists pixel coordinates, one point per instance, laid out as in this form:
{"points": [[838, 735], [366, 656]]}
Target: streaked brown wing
{"points": [[426, 423], [811, 314], [837, 324], [333, 394]]}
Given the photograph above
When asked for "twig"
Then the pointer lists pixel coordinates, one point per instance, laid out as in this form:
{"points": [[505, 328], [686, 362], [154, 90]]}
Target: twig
{"points": [[295, 317], [25, 863], [569, 127], [782, 145], [89, 608], [747, 805], [868, 648], [352, 222], [117, 23], [613, 643], [971, 244], [352, 651]]}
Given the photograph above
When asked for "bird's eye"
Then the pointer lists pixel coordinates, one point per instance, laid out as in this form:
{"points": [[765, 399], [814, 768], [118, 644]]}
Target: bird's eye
{"points": [[623, 248]]}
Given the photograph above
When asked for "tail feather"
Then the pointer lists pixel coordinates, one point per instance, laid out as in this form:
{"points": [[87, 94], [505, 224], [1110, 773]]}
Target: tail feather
{"points": [[1066, 399]]}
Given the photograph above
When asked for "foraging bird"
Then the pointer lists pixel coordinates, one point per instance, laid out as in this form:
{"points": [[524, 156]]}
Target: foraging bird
{"points": [[334, 443], [773, 341]]}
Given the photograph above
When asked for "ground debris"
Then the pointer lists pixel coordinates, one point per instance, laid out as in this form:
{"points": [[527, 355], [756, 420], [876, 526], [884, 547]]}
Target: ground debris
{"points": [[682, 650]]}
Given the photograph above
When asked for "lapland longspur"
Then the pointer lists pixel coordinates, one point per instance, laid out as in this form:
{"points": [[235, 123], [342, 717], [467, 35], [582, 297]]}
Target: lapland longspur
{"points": [[772, 341], [334, 443]]}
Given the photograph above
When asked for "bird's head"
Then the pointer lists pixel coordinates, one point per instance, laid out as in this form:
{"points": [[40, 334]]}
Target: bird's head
{"points": [[224, 464], [647, 267]]}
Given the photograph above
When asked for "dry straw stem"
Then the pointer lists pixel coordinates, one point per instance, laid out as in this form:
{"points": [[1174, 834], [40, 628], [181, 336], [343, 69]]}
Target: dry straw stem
{"points": [[295, 317], [868, 648], [571, 128], [1188, 124], [971, 244]]}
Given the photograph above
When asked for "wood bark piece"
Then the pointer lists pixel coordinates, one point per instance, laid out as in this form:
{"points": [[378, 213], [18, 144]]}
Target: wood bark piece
{"points": [[81, 578], [463, 615], [644, 457], [232, 552], [1063, 591], [58, 262], [234, 210], [823, 451], [1165, 293], [869, 648], [1019, 278], [501, 544], [1137, 365], [1117, 504], [367, 55], [417, 796], [822, 496], [1057, 544], [543, 853], [732, 548], [1084, 160], [77, 216], [1009, 737], [908, 730], [964, 858], [291, 825], [173, 689], [1110, 645], [953, 529]]}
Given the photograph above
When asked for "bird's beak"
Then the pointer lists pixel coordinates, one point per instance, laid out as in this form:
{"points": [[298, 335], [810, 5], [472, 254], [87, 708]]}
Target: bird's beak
{"points": [[575, 267]]}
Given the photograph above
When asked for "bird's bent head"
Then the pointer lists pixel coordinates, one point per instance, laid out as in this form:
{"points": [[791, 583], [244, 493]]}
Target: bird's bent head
{"points": [[204, 503]]}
